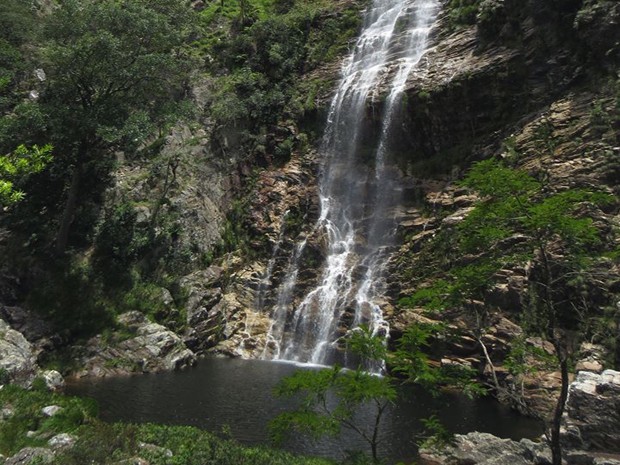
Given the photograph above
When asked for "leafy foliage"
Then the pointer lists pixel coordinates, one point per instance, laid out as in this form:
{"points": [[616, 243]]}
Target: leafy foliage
{"points": [[16, 166], [330, 397], [103, 443], [548, 230]]}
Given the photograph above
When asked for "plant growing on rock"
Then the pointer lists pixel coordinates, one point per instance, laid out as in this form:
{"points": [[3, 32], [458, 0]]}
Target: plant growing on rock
{"points": [[113, 69], [556, 242]]}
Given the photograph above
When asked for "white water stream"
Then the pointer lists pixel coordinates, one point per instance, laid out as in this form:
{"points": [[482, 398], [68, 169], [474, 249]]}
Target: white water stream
{"points": [[357, 196]]}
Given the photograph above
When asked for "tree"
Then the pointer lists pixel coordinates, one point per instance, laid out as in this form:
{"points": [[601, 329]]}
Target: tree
{"points": [[555, 242], [112, 68], [331, 397]]}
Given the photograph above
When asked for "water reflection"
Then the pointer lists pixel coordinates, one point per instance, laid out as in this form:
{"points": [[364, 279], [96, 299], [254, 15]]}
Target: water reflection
{"points": [[237, 395]]}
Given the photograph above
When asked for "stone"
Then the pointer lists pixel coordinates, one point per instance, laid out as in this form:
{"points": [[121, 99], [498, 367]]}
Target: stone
{"points": [[484, 449], [593, 412], [132, 319], [38, 455], [61, 441], [53, 380], [591, 358], [17, 358], [133, 461], [51, 410], [153, 348], [156, 449], [6, 413], [606, 461]]}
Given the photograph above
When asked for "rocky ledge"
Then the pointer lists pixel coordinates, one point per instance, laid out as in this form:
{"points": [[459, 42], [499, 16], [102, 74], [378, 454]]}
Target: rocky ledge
{"points": [[18, 360], [137, 346], [590, 433]]}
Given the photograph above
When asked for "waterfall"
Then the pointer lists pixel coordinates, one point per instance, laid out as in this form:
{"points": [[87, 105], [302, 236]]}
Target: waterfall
{"points": [[357, 198]]}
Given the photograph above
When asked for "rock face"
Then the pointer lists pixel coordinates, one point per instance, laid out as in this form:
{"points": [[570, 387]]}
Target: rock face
{"points": [[592, 420], [228, 306], [37, 331], [142, 347], [517, 100], [17, 358]]}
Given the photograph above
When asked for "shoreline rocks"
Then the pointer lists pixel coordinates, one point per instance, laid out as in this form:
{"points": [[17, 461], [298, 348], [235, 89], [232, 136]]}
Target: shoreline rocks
{"points": [[590, 434], [138, 347]]}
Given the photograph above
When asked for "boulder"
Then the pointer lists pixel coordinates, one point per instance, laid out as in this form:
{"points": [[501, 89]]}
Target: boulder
{"points": [[28, 455], [53, 380], [51, 410], [17, 359], [152, 348], [61, 441], [485, 449], [593, 412]]}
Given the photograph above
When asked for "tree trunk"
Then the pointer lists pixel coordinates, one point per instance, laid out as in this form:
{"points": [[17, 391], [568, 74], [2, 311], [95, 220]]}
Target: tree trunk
{"points": [[556, 447], [68, 214]]}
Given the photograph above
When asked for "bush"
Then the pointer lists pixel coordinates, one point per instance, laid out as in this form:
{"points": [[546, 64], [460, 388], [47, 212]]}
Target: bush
{"points": [[26, 407]]}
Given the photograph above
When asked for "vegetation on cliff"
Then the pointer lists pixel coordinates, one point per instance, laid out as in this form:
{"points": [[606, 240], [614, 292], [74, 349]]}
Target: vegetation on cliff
{"points": [[98, 225], [104, 83]]}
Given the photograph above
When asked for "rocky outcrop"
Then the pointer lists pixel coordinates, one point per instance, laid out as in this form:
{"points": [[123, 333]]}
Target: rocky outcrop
{"points": [[139, 346], [28, 455], [186, 188], [485, 449], [18, 362], [228, 306], [204, 290], [39, 333], [573, 142], [593, 412]]}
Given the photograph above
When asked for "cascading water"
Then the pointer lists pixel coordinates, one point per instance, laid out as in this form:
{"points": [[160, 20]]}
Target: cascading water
{"points": [[357, 199]]}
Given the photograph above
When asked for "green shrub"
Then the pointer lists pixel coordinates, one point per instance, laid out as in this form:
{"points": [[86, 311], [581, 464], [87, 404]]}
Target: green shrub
{"points": [[26, 407]]}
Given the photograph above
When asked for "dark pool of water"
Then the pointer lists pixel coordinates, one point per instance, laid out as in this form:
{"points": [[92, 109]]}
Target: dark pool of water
{"points": [[237, 395]]}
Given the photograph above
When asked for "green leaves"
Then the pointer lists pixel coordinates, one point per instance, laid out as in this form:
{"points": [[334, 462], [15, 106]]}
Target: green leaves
{"points": [[361, 342], [107, 61], [512, 201], [329, 398], [514, 219], [16, 166]]}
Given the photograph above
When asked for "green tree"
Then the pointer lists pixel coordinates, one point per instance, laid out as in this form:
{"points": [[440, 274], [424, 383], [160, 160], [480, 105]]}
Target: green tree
{"points": [[112, 68], [16, 30], [556, 242], [331, 397]]}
